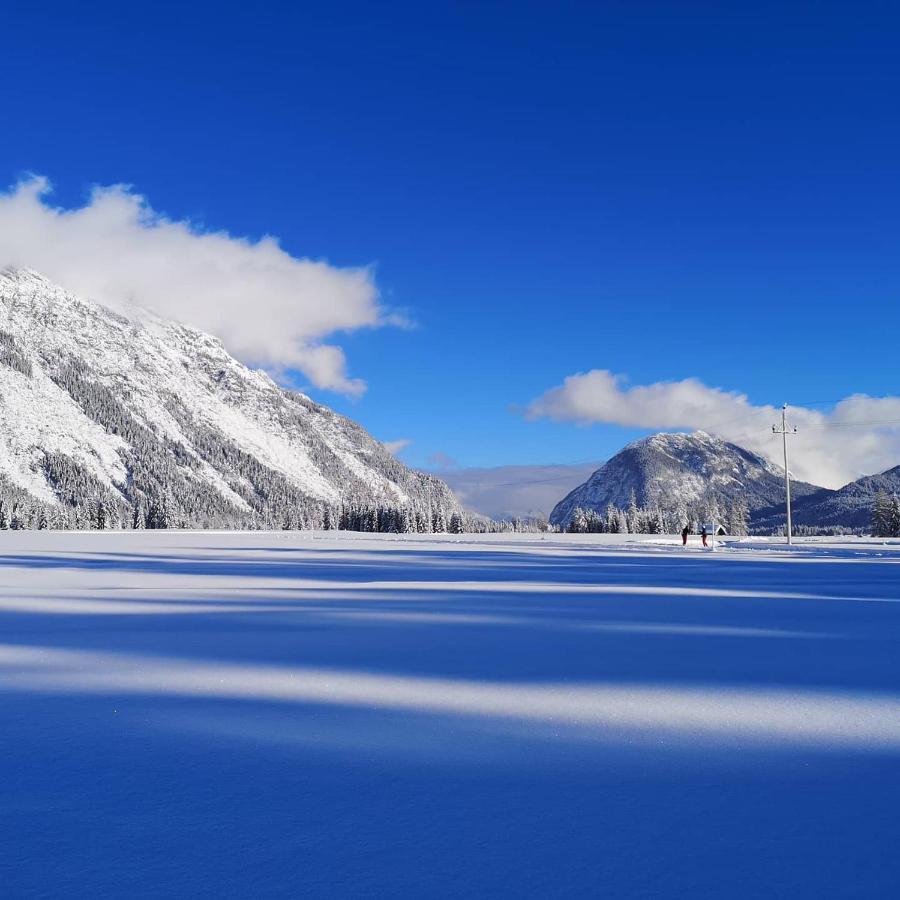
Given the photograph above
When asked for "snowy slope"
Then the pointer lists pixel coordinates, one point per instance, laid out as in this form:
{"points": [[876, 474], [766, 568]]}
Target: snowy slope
{"points": [[92, 402], [677, 470]]}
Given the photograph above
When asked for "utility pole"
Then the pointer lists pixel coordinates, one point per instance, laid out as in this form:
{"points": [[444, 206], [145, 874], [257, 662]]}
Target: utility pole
{"points": [[787, 474]]}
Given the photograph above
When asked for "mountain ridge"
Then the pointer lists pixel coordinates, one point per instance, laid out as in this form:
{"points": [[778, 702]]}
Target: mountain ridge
{"points": [[849, 506], [141, 410], [680, 472]]}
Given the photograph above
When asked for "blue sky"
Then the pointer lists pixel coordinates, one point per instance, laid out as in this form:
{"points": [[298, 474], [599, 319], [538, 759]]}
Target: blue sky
{"points": [[661, 190]]}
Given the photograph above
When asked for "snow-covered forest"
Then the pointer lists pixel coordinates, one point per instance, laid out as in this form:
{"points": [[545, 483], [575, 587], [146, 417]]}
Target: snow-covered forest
{"points": [[103, 511], [886, 515], [733, 517]]}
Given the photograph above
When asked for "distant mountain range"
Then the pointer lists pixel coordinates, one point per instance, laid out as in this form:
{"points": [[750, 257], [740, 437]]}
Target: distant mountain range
{"points": [[849, 506], [678, 471], [142, 413], [505, 492]]}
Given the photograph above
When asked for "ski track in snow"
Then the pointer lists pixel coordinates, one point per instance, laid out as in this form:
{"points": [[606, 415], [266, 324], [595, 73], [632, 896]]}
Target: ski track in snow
{"points": [[329, 714]]}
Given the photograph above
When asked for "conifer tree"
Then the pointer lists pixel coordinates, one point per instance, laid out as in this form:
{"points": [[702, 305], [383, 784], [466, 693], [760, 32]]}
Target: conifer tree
{"points": [[895, 516], [578, 522], [882, 508], [612, 519], [633, 515], [594, 522], [407, 520], [17, 519], [739, 518]]}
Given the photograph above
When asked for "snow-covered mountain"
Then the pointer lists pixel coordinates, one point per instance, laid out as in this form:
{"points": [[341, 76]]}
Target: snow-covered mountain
{"points": [[97, 407], [849, 507], [676, 471]]}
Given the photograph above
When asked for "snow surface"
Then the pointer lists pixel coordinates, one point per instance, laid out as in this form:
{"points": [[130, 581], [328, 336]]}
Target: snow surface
{"points": [[294, 714]]}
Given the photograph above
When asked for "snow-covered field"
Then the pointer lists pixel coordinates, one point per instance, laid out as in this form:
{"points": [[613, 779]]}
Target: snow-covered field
{"points": [[252, 715]]}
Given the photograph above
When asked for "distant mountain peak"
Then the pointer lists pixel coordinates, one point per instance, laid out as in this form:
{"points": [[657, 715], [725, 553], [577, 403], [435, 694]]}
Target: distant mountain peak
{"points": [[677, 469]]}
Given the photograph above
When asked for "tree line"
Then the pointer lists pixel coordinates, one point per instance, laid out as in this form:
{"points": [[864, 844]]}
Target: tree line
{"points": [[886, 515], [104, 512], [660, 518], [86, 504]]}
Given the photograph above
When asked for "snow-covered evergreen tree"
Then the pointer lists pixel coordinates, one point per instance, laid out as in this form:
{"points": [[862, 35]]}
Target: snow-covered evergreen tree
{"points": [[895, 516], [578, 522], [407, 520], [139, 516], [594, 522], [612, 519], [633, 515], [738, 523], [882, 524], [18, 519]]}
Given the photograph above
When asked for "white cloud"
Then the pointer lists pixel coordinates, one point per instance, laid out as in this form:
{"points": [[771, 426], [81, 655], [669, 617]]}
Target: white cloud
{"points": [[394, 447], [860, 435], [270, 308]]}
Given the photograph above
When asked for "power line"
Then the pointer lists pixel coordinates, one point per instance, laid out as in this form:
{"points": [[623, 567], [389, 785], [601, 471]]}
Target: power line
{"points": [[874, 424], [490, 484], [800, 403]]}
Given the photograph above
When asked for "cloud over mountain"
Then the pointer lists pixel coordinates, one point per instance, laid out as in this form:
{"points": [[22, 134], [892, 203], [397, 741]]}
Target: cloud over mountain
{"points": [[860, 435], [270, 308]]}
